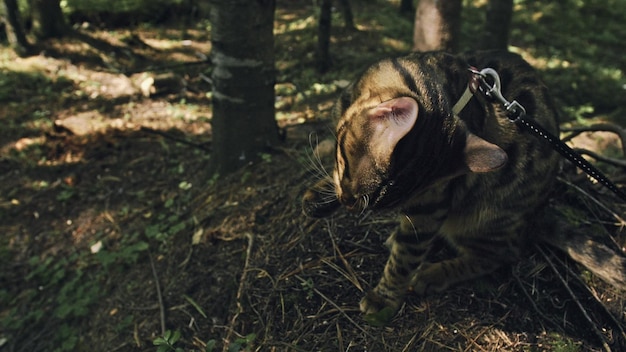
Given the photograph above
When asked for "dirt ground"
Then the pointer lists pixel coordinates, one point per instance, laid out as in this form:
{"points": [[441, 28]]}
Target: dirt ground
{"points": [[113, 232]]}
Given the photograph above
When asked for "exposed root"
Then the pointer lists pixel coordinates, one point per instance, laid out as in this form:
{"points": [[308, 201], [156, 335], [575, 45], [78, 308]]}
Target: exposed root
{"points": [[606, 127], [612, 161]]}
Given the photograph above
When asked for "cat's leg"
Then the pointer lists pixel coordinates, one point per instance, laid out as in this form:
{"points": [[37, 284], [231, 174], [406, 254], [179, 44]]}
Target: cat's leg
{"points": [[408, 245], [405, 257], [477, 257]]}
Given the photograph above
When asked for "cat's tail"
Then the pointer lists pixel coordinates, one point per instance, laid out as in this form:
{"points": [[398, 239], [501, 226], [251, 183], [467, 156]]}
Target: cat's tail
{"points": [[595, 252]]}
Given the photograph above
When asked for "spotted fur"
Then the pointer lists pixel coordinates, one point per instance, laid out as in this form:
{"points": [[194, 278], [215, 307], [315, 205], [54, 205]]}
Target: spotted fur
{"points": [[473, 181]]}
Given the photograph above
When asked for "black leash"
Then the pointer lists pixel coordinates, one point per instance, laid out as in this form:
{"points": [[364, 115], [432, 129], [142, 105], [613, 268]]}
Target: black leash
{"points": [[517, 114]]}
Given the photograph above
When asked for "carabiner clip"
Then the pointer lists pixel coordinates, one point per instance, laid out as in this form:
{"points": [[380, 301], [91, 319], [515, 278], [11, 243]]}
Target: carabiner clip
{"points": [[494, 91], [514, 110]]}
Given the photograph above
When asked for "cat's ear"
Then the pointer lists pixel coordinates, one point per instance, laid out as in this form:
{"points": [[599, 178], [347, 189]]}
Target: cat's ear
{"points": [[482, 156], [391, 121]]}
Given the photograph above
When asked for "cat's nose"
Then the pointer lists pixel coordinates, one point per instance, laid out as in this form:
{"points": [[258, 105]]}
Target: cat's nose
{"points": [[347, 199], [350, 202]]}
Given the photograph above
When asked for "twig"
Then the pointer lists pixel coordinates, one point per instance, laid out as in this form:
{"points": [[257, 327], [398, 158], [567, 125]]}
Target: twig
{"points": [[595, 330], [620, 220], [242, 281], [340, 310], [615, 320], [606, 159], [174, 138], [159, 295], [336, 306], [604, 127], [205, 78], [532, 301]]}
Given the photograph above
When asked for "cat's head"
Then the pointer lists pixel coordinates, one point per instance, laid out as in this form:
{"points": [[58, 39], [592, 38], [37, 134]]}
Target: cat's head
{"points": [[393, 143]]}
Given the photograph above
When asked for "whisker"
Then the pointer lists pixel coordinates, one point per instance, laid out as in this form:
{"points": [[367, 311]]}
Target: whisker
{"points": [[365, 204], [315, 164]]}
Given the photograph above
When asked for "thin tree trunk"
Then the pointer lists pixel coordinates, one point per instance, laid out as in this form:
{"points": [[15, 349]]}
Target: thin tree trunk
{"points": [[244, 124], [498, 25], [348, 17], [406, 6], [48, 20], [15, 31], [437, 25], [323, 36]]}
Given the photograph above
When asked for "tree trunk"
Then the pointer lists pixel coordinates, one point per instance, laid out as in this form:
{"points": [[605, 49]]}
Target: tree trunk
{"points": [[437, 25], [48, 21], [323, 36], [15, 31], [348, 17], [243, 82], [498, 25], [406, 6]]}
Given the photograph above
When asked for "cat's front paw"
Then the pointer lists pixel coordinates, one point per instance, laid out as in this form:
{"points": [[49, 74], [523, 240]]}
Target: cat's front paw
{"points": [[320, 200], [378, 310]]}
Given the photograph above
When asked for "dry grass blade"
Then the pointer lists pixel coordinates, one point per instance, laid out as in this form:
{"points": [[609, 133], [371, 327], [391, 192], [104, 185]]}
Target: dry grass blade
{"points": [[336, 306], [159, 294], [349, 275], [532, 301], [240, 290], [614, 319], [621, 222], [349, 272]]}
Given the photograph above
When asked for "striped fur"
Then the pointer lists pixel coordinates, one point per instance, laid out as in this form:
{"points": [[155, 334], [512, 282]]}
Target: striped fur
{"points": [[473, 181]]}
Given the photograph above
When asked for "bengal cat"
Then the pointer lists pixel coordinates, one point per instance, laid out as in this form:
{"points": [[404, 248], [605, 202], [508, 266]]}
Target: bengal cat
{"points": [[474, 180]]}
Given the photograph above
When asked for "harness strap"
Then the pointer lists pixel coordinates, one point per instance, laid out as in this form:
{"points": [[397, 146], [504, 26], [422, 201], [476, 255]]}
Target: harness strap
{"points": [[469, 92]]}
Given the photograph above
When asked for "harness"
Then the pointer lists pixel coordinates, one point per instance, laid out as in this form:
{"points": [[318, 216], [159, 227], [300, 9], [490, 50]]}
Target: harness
{"points": [[479, 83]]}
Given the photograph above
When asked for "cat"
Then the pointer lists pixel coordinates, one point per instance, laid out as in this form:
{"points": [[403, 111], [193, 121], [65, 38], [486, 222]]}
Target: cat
{"points": [[474, 181]]}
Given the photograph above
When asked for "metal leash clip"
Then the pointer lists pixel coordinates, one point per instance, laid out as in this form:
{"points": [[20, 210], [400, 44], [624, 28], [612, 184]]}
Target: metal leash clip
{"points": [[514, 110]]}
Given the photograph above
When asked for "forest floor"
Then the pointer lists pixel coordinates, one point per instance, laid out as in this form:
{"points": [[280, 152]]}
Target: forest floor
{"points": [[114, 237]]}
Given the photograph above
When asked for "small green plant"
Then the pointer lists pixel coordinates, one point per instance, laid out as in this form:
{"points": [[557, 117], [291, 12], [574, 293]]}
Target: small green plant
{"points": [[210, 346], [66, 193], [266, 157], [242, 344], [76, 289], [563, 344], [185, 186], [308, 286], [167, 342]]}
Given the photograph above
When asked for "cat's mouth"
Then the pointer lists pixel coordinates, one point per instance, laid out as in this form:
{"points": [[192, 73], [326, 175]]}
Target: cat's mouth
{"points": [[381, 198]]}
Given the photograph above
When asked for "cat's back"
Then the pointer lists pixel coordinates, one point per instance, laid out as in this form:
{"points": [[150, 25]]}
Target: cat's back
{"points": [[519, 188]]}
